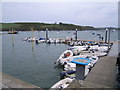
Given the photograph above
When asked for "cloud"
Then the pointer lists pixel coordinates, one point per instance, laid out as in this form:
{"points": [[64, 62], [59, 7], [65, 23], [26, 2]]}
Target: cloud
{"points": [[81, 13]]}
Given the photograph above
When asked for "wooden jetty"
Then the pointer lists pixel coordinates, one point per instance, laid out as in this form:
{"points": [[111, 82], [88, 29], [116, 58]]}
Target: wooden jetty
{"points": [[69, 40], [103, 74]]}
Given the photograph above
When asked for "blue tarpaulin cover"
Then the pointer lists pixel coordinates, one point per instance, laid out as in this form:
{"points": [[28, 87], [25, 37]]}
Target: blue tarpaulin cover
{"points": [[81, 63]]}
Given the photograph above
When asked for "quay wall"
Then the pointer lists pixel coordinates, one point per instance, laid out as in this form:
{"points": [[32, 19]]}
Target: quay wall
{"points": [[12, 82]]}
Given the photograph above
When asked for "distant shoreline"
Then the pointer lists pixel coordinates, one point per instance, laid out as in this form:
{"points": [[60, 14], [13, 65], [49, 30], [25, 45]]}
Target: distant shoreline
{"points": [[51, 27]]}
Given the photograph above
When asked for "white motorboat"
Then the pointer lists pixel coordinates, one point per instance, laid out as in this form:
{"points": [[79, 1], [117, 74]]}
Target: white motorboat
{"points": [[72, 66], [40, 41], [62, 83], [65, 57], [25, 39], [80, 48], [53, 41], [72, 69], [93, 53], [69, 53], [103, 48], [99, 48], [30, 39], [57, 41]]}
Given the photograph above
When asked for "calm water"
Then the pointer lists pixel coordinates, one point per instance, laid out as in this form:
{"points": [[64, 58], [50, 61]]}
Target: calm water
{"points": [[36, 65]]}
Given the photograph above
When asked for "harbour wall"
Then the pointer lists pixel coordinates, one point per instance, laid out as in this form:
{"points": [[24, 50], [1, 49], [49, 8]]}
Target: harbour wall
{"points": [[9, 82]]}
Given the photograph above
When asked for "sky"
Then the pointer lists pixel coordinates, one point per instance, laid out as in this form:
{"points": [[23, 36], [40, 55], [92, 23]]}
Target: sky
{"points": [[97, 14]]}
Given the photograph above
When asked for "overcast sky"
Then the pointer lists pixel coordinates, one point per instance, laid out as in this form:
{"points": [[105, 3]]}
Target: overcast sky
{"points": [[98, 14]]}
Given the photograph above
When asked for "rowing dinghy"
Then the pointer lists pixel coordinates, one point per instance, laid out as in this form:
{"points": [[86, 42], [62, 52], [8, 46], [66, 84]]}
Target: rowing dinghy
{"points": [[62, 83]]}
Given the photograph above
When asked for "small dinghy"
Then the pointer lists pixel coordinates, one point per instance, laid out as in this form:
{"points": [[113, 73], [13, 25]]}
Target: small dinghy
{"points": [[62, 83], [72, 66], [65, 57], [69, 54], [30, 39], [72, 69]]}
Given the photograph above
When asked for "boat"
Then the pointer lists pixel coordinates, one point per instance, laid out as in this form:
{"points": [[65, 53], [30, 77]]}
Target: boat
{"points": [[40, 40], [93, 61], [72, 66], [2, 32], [64, 57], [90, 43], [93, 53], [70, 73], [71, 43], [113, 30], [62, 83], [98, 34], [30, 39], [80, 48], [53, 41], [50, 41], [103, 48], [25, 39], [12, 32], [57, 41], [67, 55], [93, 33], [62, 41], [99, 48]]}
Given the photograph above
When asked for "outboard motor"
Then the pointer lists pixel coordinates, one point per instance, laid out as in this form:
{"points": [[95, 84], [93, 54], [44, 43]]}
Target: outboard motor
{"points": [[65, 73], [36, 41]]}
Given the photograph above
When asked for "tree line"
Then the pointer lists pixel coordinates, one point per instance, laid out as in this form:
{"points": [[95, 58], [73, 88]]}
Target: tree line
{"points": [[22, 26]]}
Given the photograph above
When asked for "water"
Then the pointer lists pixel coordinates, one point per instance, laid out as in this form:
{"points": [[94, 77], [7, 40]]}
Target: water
{"points": [[36, 65]]}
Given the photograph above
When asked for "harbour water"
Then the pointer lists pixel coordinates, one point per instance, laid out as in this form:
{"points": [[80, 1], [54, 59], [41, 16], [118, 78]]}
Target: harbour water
{"points": [[35, 63]]}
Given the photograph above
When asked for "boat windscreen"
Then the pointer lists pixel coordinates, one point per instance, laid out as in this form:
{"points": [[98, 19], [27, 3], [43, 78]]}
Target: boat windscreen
{"points": [[93, 58]]}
